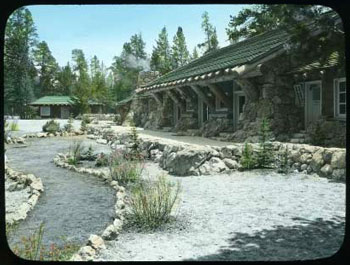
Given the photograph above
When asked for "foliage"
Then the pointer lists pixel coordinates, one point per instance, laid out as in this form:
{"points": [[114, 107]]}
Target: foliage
{"points": [[83, 126], [6, 130], [102, 160], [247, 161], [51, 126], [283, 161], [265, 154], [68, 127], [65, 80], [88, 154], [161, 57], [152, 202], [19, 70], [179, 53], [195, 54], [47, 70], [33, 249], [14, 126], [75, 151], [294, 19], [317, 135], [124, 170], [135, 152], [10, 228], [211, 40]]}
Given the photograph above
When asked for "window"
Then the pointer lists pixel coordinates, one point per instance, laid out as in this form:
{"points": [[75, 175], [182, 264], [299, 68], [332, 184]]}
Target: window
{"points": [[219, 105], [340, 98], [45, 111]]}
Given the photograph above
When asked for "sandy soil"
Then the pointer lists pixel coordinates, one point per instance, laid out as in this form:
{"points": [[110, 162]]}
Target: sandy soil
{"points": [[256, 215]]}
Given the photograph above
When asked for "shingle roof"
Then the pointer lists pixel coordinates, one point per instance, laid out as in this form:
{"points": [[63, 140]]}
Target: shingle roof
{"points": [[53, 100], [240, 53]]}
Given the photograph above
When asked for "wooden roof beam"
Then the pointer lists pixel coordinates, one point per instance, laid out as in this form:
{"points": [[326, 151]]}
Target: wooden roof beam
{"points": [[202, 96], [220, 94]]}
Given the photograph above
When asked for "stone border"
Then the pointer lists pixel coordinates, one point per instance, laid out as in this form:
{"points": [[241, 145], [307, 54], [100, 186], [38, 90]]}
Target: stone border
{"points": [[185, 159], [96, 243], [36, 188]]}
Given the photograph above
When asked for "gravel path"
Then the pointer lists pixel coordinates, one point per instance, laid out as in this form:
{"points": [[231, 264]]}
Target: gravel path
{"points": [[257, 215], [72, 204]]}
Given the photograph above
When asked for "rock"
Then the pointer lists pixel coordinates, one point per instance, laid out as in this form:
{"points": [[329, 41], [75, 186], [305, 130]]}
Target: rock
{"points": [[12, 187], [37, 185], [231, 164], [20, 140], [327, 156], [326, 170], [87, 253], [304, 157], [217, 165], [91, 136], [96, 242], [33, 199], [41, 135], [109, 233], [317, 160], [338, 174], [76, 257], [309, 169], [303, 167], [101, 141], [338, 159], [118, 225]]}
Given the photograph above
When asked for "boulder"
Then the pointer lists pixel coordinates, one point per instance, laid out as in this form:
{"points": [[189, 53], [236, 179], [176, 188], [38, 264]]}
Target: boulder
{"points": [[37, 185], [304, 157], [101, 141], [217, 165], [338, 174], [230, 163], [41, 135], [326, 170], [317, 160], [109, 233], [20, 140], [338, 159], [96, 242], [87, 253]]}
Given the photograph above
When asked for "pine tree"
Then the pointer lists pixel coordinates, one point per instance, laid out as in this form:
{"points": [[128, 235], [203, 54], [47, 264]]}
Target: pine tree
{"points": [[180, 55], [195, 54], [161, 58], [47, 69], [265, 153], [81, 87], [65, 80], [211, 40], [19, 70]]}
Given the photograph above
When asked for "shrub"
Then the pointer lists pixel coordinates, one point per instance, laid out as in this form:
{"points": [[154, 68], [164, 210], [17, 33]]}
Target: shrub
{"points": [[135, 150], [68, 127], [86, 119], [265, 154], [88, 154], [14, 126], [152, 202], [75, 151], [33, 249], [283, 161], [7, 132], [102, 160], [247, 160], [124, 170], [51, 126]]}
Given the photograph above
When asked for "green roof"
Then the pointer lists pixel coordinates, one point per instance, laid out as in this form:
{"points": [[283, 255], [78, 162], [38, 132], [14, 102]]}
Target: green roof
{"points": [[237, 54], [53, 100], [60, 100]]}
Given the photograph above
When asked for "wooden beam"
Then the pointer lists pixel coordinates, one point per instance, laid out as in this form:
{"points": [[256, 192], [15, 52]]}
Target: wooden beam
{"points": [[248, 88], [177, 101], [158, 98], [201, 95], [221, 95], [183, 95]]}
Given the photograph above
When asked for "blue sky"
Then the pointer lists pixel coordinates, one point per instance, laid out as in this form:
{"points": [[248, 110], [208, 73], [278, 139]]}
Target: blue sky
{"points": [[103, 29]]}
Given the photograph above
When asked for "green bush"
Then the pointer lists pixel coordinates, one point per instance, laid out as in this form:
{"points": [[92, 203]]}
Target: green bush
{"points": [[102, 160], [124, 170], [247, 161], [33, 249], [265, 155], [135, 149], [152, 202], [51, 126], [75, 151], [283, 161], [14, 126], [68, 127]]}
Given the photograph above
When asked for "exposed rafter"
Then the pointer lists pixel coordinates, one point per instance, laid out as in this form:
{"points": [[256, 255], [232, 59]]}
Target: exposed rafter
{"points": [[202, 96], [221, 95]]}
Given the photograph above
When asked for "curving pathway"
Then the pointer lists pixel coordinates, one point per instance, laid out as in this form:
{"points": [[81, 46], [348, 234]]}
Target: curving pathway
{"points": [[72, 205]]}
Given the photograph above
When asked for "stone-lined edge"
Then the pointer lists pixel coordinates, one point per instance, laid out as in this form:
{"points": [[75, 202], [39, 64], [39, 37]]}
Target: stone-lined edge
{"points": [[96, 243], [36, 188]]}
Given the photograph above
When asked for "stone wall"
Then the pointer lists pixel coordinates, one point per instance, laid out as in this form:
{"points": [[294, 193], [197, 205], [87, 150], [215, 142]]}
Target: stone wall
{"points": [[188, 159]]}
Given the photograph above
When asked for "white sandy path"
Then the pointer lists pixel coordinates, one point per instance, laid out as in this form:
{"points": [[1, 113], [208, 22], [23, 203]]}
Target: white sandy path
{"points": [[214, 208]]}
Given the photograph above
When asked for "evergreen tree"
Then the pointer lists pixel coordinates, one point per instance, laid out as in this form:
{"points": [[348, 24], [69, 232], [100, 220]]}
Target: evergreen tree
{"points": [[265, 153], [65, 80], [81, 86], [19, 70], [294, 19], [180, 55], [195, 54], [47, 68], [211, 40], [161, 58], [98, 80]]}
